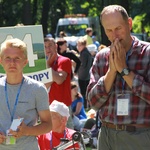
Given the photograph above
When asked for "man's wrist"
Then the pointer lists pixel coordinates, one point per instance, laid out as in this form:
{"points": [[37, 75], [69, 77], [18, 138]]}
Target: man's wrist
{"points": [[125, 72]]}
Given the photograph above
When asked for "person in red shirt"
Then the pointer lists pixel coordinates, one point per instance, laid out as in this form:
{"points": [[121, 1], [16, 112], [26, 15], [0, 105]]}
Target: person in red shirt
{"points": [[59, 113], [60, 87], [61, 72]]}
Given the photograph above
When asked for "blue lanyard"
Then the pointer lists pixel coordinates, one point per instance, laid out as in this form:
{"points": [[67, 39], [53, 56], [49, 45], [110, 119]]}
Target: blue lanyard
{"points": [[127, 57], [16, 102], [51, 140]]}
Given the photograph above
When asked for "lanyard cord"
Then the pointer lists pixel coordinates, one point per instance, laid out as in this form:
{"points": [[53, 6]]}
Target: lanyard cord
{"points": [[16, 101]]}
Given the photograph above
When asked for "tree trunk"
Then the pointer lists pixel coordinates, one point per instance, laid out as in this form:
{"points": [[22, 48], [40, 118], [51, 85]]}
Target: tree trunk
{"points": [[26, 15], [45, 11]]}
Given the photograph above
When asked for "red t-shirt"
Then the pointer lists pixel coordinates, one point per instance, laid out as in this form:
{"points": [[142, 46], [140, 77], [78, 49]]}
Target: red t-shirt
{"points": [[61, 92], [52, 139]]}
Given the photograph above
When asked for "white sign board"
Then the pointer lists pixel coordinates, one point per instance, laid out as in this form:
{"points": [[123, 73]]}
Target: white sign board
{"points": [[33, 37]]}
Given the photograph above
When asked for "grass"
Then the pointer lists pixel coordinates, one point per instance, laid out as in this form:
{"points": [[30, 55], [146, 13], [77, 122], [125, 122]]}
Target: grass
{"points": [[40, 64]]}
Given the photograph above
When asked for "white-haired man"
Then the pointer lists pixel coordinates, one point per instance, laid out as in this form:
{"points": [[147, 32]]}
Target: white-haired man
{"points": [[59, 113]]}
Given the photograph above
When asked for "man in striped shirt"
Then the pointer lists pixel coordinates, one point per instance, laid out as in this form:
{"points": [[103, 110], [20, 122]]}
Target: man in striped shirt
{"points": [[120, 85]]}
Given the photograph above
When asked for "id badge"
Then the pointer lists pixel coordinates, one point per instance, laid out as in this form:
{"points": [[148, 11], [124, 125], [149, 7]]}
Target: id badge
{"points": [[9, 138], [123, 104]]}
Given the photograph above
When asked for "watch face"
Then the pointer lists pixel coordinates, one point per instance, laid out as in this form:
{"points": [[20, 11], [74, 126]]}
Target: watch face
{"points": [[126, 71]]}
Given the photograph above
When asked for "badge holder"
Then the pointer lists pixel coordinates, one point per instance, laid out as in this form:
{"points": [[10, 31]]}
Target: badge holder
{"points": [[10, 139], [123, 104]]}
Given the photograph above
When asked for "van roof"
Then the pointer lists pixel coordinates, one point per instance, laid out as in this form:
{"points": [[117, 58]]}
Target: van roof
{"points": [[66, 21]]}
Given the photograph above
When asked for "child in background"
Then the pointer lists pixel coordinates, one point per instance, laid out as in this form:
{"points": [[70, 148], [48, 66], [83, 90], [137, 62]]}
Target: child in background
{"points": [[77, 106], [77, 102]]}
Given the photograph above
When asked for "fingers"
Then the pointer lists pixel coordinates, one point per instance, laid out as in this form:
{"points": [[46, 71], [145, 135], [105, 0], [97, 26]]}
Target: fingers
{"points": [[119, 55], [112, 66], [2, 138], [16, 134], [20, 130], [117, 48]]}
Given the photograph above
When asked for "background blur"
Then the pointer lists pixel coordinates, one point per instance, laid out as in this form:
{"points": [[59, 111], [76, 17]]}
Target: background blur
{"points": [[47, 12]]}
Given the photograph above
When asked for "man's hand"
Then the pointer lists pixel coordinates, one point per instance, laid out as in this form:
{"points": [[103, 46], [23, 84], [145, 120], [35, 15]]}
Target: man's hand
{"points": [[112, 66], [119, 56], [21, 131], [2, 138], [51, 59]]}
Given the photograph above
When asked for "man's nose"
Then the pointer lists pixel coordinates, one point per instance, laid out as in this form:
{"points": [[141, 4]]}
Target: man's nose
{"points": [[114, 35]]}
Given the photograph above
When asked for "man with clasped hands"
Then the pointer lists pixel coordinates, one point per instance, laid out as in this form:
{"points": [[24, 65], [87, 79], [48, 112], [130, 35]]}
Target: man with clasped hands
{"points": [[120, 85]]}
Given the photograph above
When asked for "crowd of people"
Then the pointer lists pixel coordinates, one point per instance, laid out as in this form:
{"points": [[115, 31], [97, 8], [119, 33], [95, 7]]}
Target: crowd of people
{"points": [[113, 83]]}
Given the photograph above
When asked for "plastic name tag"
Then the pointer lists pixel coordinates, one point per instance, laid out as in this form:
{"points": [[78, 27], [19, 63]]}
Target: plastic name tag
{"points": [[123, 105], [16, 123], [9, 138]]}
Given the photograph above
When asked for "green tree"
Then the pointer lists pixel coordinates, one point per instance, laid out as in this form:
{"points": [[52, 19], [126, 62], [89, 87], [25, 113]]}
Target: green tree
{"points": [[140, 15], [47, 12]]}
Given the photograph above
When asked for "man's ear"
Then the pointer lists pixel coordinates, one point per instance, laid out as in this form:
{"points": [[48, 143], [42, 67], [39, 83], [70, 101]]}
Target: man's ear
{"points": [[26, 61], [130, 23]]}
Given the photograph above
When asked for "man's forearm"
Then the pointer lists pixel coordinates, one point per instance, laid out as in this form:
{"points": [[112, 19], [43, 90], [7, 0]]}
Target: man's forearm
{"points": [[109, 80], [39, 129]]}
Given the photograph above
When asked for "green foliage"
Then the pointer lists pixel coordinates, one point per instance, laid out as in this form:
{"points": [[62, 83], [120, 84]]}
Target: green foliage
{"points": [[140, 12], [85, 5], [137, 23], [33, 11]]}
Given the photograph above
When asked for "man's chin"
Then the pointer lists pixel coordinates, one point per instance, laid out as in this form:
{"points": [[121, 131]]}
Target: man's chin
{"points": [[12, 70]]}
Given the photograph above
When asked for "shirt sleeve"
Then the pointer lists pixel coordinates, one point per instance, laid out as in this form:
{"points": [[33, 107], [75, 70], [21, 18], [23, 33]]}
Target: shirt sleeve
{"points": [[96, 92], [66, 65]]}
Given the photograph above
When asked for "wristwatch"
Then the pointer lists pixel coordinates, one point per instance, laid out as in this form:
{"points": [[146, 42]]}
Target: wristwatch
{"points": [[125, 71]]}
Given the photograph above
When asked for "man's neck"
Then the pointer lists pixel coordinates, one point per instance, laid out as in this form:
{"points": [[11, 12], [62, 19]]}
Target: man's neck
{"points": [[59, 130], [130, 45], [14, 79]]}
